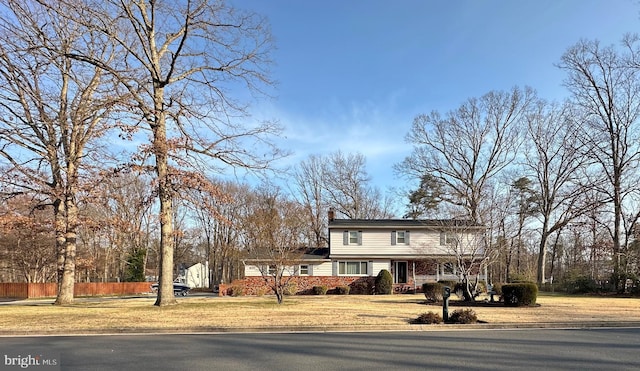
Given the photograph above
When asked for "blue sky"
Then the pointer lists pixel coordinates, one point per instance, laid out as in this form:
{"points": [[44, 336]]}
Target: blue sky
{"points": [[352, 75]]}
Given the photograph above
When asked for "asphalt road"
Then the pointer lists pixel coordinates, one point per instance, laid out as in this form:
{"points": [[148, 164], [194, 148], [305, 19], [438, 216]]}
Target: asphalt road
{"points": [[548, 349]]}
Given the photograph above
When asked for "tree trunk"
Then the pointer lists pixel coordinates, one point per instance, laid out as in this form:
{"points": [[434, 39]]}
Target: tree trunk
{"points": [[67, 282], [58, 211], [165, 284], [542, 255]]}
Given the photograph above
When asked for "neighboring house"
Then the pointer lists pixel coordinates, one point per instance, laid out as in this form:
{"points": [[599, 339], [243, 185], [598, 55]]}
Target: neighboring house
{"points": [[414, 251], [195, 276]]}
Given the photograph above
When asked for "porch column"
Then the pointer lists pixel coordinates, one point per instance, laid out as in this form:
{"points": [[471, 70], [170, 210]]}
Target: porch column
{"points": [[413, 274]]}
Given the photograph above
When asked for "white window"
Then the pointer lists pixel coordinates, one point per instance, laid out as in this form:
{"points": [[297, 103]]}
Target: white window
{"points": [[400, 237], [272, 269], [448, 238], [352, 238], [353, 268], [304, 270], [448, 268]]}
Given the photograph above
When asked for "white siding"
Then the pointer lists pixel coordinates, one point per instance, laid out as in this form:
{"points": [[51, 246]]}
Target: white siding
{"points": [[377, 242], [251, 271], [322, 269], [379, 265], [318, 269]]}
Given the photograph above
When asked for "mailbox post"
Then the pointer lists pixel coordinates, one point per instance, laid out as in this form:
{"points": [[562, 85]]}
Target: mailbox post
{"points": [[446, 293]]}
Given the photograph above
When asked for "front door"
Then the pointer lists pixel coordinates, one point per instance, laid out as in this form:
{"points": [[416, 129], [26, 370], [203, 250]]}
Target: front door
{"points": [[400, 272]]}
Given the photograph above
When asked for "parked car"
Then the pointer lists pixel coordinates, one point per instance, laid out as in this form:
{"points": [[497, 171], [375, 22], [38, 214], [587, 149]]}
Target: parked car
{"points": [[178, 288]]}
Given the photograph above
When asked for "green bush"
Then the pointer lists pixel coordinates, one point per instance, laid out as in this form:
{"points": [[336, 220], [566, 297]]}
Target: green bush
{"points": [[342, 290], [320, 290], [384, 283], [581, 285], [463, 316], [520, 294], [432, 291], [428, 318], [361, 288]]}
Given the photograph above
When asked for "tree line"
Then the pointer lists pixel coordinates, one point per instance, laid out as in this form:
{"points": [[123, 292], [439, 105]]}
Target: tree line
{"points": [[560, 177]]}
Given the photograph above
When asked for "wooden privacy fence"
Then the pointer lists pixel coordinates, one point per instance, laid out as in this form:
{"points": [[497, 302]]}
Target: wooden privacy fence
{"points": [[43, 290]]}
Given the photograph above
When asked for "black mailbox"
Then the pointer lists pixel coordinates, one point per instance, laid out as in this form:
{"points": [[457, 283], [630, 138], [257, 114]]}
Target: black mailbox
{"points": [[446, 293]]}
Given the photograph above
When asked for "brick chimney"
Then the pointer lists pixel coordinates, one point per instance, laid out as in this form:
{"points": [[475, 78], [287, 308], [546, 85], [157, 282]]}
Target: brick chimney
{"points": [[331, 214]]}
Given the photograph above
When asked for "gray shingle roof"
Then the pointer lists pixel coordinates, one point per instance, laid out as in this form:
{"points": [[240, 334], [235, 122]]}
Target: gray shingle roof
{"points": [[403, 223]]}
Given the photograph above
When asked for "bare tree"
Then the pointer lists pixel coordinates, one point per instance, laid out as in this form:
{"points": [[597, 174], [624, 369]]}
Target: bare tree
{"points": [[559, 168], [274, 239], [51, 110], [309, 190], [120, 212], [467, 147], [348, 189], [26, 240], [465, 242], [607, 90], [182, 60]]}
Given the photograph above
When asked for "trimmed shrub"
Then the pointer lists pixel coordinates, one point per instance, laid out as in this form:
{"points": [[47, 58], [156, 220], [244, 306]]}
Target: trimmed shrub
{"points": [[463, 316], [237, 290], [428, 318], [360, 288], [520, 294], [432, 291], [290, 289], [261, 291], [384, 283], [342, 290], [320, 290]]}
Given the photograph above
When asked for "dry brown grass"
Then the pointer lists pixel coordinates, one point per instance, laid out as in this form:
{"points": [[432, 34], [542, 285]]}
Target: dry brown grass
{"points": [[299, 312]]}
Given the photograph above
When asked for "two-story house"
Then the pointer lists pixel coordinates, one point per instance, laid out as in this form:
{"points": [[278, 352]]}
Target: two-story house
{"points": [[414, 251]]}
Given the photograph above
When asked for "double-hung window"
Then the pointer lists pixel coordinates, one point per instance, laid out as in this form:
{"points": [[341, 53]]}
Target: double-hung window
{"points": [[448, 238], [304, 270], [352, 238], [400, 237]]}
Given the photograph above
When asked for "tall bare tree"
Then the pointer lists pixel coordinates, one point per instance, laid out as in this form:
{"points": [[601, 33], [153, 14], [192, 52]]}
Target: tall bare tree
{"points": [[182, 61], [559, 171], [309, 190], [348, 189], [607, 90], [467, 147], [52, 108]]}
